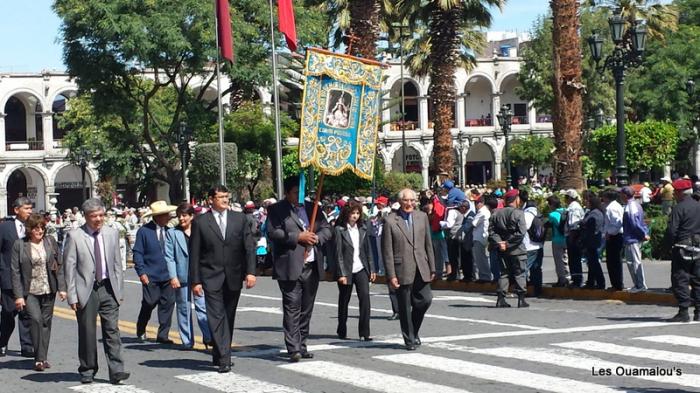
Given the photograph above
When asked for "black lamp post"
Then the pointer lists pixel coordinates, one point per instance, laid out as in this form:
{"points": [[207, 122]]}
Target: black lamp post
{"points": [[505, 119], [625, 55], [402, 28], [184, 136], [83, 161]]}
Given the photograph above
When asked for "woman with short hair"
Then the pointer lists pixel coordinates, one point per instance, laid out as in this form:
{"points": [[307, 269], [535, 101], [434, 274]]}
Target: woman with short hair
{"points": [[37, 275]]}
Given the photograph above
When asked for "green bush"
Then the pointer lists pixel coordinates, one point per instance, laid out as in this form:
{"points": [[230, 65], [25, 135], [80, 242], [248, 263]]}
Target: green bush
{"points": [[395, 182], [657, 247], [204, 171]]}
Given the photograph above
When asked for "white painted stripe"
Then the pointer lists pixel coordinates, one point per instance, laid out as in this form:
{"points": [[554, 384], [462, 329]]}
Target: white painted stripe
{"points": [[636, 352], [673, 340], [234, 383], [474, 299], [107, 388], [377, 342], [575, 359], [366, 379], [464, 368], [266, 310]]}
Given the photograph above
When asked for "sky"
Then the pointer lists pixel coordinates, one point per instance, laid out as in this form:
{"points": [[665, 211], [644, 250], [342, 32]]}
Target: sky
{"points": [[30, 31]]}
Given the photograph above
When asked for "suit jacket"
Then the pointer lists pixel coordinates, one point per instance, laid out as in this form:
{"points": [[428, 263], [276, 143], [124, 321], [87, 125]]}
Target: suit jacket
{"points": [[8, 235], [177, 255], [345, 252], [403, 254], [79, 263], [149, 258], [284, 227], [22, 267], [215, 260]]}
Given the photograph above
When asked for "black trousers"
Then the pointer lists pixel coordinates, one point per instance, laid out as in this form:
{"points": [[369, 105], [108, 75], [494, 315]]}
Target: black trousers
{"points": [[298, 303], [453, 247], [221, 314], [467, 260], [574, 252], [414, 301], [360, 281], [683, 275], [596, 278], [162, 295], [40, 309], [613, 251], [7, 322], [102, 303]]}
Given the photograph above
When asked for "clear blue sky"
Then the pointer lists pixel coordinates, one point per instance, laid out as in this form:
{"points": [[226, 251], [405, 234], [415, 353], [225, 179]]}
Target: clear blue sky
{"points": [[30, 31]]}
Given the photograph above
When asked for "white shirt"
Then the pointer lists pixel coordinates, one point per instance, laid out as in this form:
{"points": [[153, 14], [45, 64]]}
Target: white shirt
{"points": [[481, 225], [645, 192], [613, 218], [219, 217], [530, 214], [576, 213], [355, 237], [21, 229], [103, 251]]}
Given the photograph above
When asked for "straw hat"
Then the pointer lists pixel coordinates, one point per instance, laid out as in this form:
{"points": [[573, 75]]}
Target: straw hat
{"points": [[159, 207]]}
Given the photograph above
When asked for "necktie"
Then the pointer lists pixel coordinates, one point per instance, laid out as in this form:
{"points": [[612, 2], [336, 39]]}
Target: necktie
{"points": [[22, 232], [162, 239], [98, 257], [222, 227]]}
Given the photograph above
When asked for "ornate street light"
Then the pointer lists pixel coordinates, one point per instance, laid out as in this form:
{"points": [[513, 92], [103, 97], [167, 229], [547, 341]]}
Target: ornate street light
{"points": [[184, 136], [505, 119], [625, 55]]}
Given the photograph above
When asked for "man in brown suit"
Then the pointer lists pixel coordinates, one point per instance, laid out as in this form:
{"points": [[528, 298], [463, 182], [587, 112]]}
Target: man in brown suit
{"points": [[409, 263]]}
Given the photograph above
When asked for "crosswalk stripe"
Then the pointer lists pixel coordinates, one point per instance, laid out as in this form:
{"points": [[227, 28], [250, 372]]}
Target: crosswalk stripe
{"points": [[673, 340], [636, 352], [234, 383], [497, 374], [107, 388], [366, 379], [575, 359]]}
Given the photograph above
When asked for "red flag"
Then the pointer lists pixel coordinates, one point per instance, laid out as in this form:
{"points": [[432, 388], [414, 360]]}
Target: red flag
{"points": [[223, 29], [287, 25]]}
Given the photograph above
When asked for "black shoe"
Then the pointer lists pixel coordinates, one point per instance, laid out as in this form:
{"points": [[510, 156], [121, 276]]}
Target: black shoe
{"points": [[682, 316], [342, 336], [365, 338], [224, 368], [696, 316], [574, 285], [295, 357], [118, 377], [501, 302], [521, 302], [141, 338], [165, 341], [410, 347], [394, 317], [417, 342], [3, 351], [307, 355], [208, 344], [85, 379], [589, 286], [27, 354], [480, 281]]}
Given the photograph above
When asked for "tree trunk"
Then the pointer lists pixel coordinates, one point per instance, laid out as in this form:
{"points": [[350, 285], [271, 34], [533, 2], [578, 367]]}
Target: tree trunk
{"points": [[444, 55], [567, 116], [364, 25]]}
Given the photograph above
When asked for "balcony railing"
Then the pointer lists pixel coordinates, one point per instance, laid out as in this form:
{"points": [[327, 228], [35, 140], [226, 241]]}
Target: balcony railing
{"points": [[24, 145], [544, 118], [407, 126], [520, 120], [478, 122]]}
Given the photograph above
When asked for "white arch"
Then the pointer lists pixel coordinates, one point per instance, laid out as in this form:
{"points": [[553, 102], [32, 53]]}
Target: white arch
{"points": [[90, 172], [12, 168], [37, 95], [495, 146], [60, 91], [504, 77], [481, 74], [392, 81]]}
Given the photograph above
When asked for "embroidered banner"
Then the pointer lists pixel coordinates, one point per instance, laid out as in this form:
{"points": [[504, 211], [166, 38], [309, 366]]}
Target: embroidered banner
{"points": [[340, 113]]}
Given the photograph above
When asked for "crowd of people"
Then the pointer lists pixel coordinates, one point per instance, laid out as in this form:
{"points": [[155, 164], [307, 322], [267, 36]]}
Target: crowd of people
{"points": [[200, 257]]}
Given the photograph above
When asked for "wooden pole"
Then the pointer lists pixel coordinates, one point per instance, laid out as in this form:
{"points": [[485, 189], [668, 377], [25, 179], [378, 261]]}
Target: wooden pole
{"points": [[314, 213]]}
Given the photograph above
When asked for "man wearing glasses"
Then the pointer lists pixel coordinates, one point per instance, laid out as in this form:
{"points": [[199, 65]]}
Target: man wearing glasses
{"points": [[409, 262]]}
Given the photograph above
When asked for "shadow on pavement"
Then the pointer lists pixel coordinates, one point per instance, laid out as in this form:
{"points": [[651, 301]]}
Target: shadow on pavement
{"points": [[184, 364], [52, 377], [637, 319], [24, 364]]}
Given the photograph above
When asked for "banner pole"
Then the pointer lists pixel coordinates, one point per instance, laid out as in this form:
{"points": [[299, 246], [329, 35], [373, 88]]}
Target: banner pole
{"points": [[275, 87]]}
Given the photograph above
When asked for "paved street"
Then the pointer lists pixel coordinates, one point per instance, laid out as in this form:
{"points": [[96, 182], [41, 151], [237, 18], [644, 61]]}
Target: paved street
{"points": [[468, 346]]}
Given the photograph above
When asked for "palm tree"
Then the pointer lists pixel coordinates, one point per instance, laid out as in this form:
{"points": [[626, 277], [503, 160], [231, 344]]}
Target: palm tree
{"points": [[450, 25]]}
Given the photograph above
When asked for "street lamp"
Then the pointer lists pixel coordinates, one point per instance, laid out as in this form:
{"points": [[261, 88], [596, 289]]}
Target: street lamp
{"points": [[184, 136], [505, 119], [401, 27], [83, 158], [625, 55]]}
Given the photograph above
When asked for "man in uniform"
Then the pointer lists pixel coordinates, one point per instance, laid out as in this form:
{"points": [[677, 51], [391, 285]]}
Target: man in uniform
{"points": [[684, 234]]}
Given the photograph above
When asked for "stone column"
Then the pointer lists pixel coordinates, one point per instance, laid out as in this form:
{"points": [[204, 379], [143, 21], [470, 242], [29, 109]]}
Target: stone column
{"points": [[425, 165], [2, 133], [386, 118], [461, 117], [3, 200], [495, 107], [667, 171], [497, 169], [532, 116], [49, 192], [423, 109], [47, 120], [697, 159]]}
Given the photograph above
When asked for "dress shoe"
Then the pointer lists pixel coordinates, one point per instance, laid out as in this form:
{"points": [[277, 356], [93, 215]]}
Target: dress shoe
{"points": [[501, 302], [307, 355], [118, 377], [47, 364], [521, 301], [166, 341], [342, 336], [27, 354], [208, 343], [417, 342], [141, 338], [295, 357], [224, 368], [3, 351], [365, 338], [394, 317], [696, 316], [39, 366], [86, 379], [589, 286], [410, 347], [682, 316]]}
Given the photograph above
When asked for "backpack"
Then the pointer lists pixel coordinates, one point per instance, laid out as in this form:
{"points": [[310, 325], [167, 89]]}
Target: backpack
{"points": [[564, 217], [467, 230], [537, 231]]}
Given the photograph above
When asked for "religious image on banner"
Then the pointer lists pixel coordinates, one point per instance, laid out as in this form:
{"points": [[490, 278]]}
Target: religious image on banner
{"points": [[340, 113]]}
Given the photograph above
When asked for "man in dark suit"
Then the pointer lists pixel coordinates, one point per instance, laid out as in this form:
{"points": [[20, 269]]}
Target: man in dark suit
{"points": [[297, 264], [410, 264], [152, 269], [10, 231], [95, 283], [222, 256]]}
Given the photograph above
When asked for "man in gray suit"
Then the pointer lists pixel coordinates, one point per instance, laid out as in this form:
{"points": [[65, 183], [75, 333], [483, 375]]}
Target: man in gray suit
{"points": [[409, 263], [94, 281]]}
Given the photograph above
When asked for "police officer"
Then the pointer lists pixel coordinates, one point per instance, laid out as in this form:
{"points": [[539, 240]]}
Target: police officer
{"points": [[684, 233]]}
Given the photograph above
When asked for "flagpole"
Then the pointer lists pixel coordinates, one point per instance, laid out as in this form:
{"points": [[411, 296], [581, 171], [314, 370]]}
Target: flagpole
{"points": [[275, 87], [222, 159]]}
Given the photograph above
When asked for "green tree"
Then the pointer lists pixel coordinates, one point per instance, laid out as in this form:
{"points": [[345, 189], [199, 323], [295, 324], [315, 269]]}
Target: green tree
{"points": [[204, 171], [395, 182], [650, 144], [532, 151]]}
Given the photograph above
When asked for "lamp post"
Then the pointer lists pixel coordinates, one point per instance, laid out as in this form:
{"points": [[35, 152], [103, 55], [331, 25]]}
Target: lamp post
{"points": [[184, 136], [401, 28], [505, 119], [83, 159], [625, 55]]}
